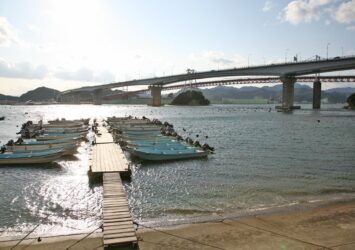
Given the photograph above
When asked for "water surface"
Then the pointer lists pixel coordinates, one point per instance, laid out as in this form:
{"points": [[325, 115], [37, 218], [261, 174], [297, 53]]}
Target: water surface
{"points": [[263, 159]]}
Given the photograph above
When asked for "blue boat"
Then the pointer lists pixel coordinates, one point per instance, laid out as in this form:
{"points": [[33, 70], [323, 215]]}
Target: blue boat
{"points": [[165, 155], [31, 158]]}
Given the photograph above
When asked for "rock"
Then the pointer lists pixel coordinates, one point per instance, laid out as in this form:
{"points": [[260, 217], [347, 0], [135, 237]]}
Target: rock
{"points": [[190, 98]]}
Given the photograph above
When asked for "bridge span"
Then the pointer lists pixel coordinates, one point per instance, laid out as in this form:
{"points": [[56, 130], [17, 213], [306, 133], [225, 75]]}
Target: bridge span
{"points": [[240, 81], [287, 73]]}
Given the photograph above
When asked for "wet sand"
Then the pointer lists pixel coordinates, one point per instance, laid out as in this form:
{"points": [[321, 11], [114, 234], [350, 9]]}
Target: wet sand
{"points": [[327, 227]]}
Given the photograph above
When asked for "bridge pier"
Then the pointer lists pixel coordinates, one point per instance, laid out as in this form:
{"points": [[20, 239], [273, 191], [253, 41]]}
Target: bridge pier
{"points": [[288, 87], [156, 95], [97, 96], [317, 94], [76, 98]]}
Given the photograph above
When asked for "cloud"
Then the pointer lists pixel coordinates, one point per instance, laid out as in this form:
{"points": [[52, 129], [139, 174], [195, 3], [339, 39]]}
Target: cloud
{"points": [[345, 12], [217, 58], [267, 6], [299, 11], [8, 34], [85, 75], [22, 70], [33, 28]]}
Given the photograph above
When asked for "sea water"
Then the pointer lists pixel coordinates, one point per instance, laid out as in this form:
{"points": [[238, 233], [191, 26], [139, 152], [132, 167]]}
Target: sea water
{"points": [[263, 159]]}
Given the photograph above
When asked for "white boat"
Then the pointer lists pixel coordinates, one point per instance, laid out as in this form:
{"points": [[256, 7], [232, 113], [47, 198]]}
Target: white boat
{"points": [[48, 137], [69, 149]]}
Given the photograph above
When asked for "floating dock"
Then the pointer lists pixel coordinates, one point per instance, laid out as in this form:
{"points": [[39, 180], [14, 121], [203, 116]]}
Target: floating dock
{"points": [[109, 160]]}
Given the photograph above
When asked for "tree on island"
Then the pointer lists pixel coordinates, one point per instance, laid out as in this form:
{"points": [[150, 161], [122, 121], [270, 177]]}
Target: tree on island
{"points": [[351, 101], [190, 98]]}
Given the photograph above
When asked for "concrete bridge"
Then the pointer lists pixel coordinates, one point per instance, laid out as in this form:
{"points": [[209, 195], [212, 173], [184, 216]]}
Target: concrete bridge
{"points": [[287, 73]]}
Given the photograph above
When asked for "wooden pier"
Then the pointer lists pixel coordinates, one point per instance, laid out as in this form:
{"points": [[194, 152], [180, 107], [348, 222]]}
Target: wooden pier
{"points": [[107, 156], [118, 225], [109, 161]]}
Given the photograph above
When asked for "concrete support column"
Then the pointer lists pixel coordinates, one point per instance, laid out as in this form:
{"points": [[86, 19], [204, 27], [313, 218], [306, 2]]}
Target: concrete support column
{"points": [[97, 96], [156, 94], [76, 98], [288, 87], [317, 94]]}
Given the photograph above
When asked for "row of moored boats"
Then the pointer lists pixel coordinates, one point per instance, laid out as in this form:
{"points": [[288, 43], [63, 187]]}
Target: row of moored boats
{"points": [[153, 140], [43, 143]]}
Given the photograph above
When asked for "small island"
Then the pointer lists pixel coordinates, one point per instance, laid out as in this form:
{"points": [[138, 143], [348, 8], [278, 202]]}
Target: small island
{"points": [[190, 98]]}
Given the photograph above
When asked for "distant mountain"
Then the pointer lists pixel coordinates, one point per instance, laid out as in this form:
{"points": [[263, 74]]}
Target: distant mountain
{"points": [[303, 93], [40, 94], [347, 90], [8, 98]]}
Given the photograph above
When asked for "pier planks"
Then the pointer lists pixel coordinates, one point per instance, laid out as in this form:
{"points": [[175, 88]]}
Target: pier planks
{"points": [[118, 225], [109, 159], [106, 155]]}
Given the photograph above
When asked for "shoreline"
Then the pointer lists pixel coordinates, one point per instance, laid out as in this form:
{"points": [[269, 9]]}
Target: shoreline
{"points": [[310, 227], [262, 211], [331, 226]]}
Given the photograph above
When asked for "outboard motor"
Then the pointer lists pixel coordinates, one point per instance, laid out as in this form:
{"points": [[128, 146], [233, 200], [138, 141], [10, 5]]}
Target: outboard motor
{"points": [[207, 147], [197, 144], [19, 141], [10, 143]]}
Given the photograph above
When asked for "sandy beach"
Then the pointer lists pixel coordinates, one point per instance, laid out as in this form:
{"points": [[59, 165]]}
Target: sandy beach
{"points": [[327, 227]]}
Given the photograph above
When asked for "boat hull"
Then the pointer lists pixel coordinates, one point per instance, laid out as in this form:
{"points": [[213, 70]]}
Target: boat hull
{"points": [[31, 160], [167, 157]]}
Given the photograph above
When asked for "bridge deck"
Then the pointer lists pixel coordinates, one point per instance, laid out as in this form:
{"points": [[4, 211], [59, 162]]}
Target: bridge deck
{"points": [[118, 225]]}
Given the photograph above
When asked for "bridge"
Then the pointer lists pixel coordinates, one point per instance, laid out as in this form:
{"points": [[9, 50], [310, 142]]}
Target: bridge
{"points": [[287, 73]]}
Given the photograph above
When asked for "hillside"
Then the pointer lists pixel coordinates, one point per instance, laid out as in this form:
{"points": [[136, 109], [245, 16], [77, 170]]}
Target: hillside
{"points": [[303, 93], [40, 94], [8, 98]]}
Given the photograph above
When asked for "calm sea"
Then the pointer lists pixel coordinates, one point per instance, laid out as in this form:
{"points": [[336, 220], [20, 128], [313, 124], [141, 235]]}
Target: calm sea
{"points": [[263, 160]]}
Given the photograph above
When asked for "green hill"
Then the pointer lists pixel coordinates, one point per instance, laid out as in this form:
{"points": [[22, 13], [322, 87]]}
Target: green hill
{"points": [[190, 98], [40, 94]]}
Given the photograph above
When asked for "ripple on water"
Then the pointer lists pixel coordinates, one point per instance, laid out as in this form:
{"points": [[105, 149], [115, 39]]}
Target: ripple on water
{"points": [[263, 159]]}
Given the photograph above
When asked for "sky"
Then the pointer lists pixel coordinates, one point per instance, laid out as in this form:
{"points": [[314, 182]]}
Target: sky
{"points": [[65, 44]]}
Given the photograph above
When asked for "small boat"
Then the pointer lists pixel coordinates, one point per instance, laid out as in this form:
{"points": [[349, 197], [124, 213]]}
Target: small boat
{"points": [[65, 130], [160, 147], [29, 147], [69, 150], [31, 158], [63, 121], [38, 142], [165, 155], [2, 118], [47, 137], [161, 144], [63, 125]]}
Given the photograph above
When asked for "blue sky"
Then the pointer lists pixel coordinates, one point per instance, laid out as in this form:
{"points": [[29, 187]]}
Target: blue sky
{"points": [[67, 44]]}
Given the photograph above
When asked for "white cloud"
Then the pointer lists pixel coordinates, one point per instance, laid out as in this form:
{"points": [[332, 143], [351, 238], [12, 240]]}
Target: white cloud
{"points": [[85, 75], [299, 11], [267, 6], [208, 59], [8, 34], [22, 70], [34, 28], [345, 12]]}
